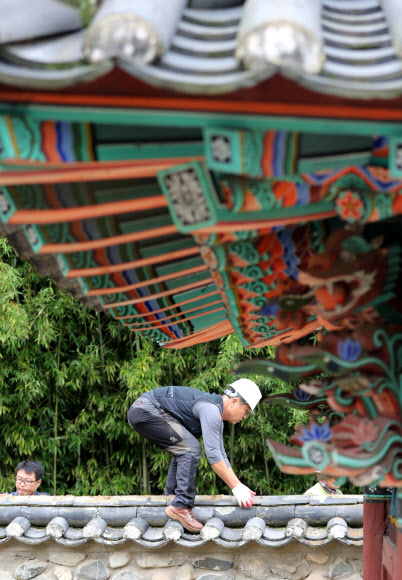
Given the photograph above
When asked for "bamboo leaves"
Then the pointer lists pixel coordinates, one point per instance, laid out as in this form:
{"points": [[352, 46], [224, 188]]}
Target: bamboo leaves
{"points": [[69, 375]]}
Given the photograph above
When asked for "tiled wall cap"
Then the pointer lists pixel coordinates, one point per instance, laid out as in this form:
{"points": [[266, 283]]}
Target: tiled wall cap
{"points": [[135, 528], [212, 529], [173, 530], [296, 528], [95, 528], [231, 527], [337, 528], [18, 527], [254, 529], [75, 502], [57, 527]]}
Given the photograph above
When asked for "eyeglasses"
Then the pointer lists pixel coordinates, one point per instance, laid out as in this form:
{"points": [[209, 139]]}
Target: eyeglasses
{"points": [[25, 481]]}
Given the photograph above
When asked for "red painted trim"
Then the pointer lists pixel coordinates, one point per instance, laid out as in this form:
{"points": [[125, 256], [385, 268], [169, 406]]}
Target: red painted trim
{"points": [[113, 268], [69, 214], [399, 549], [145, 283], [169, 292], [69, 248], [211, 105], [49, 142], [374, 527], [389, 560]]}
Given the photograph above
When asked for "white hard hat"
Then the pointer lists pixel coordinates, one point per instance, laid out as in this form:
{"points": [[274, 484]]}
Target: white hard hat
{"points": [[248, 391]]}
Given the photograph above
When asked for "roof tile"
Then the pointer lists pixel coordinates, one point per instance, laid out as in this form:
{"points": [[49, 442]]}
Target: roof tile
{"points": [[113, 521]]}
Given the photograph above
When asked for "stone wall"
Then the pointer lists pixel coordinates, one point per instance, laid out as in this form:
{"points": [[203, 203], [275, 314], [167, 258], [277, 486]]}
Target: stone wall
{"points": [[130, 561]]}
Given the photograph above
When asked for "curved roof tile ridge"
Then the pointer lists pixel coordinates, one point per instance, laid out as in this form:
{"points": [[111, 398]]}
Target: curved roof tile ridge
{"points": [[113, 520], [358, 43]]}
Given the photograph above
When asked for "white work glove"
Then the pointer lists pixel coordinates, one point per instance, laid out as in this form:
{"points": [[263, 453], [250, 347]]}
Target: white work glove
{"points": [[244, 495]]}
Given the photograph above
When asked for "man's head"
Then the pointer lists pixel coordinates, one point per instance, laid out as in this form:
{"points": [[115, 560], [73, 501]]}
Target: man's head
{"points": [[239, 400], [28, 477]]}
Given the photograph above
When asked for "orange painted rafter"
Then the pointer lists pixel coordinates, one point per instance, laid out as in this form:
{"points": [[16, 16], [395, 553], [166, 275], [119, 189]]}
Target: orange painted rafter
{"points": [[132, 170], [144, 283], [211, 333], [113, 268], [288, 336], [214, 331], [313, 110], [229, 227], [171, 307], [70, 247], [169, 292], [37, 164], [177, 321], [139, 324], [68, 214]]}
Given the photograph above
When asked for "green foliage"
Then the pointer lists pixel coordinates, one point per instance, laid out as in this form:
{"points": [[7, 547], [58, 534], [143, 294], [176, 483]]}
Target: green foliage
{"points": [[68, 376]]}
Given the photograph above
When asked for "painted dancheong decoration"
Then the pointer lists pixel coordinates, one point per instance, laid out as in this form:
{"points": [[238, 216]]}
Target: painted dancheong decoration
{"points": [[186, 248], [361, 437], [355, 408], [352, 288], [272, 212]]}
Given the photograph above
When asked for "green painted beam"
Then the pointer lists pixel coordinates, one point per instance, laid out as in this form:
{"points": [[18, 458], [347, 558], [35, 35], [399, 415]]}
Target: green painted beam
{"points": [[198, 295], [175, 266], [106, 191], [126, 151], [169, 118], [106, 133], [311, 146], [178, 282], [140, 225], [208, 320], [313, 164], [156, 249]]}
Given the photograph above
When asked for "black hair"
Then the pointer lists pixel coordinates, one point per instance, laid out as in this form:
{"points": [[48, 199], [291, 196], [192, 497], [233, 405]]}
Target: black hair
{"points": [[31, 467]]}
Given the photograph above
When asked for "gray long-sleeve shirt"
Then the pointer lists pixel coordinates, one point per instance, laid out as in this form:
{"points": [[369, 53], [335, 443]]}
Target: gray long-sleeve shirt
{"points": [[212, 430]]}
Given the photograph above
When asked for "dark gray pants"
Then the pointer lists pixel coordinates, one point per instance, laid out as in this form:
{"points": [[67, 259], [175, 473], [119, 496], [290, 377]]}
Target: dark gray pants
{"points": [[168, 433]]}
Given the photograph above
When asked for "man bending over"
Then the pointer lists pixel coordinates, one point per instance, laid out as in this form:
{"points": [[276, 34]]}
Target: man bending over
{"points": [[175, 418]]}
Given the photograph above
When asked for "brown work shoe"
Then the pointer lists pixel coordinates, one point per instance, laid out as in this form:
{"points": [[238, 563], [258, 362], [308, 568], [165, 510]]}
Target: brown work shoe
{"points": [[185, 516]]}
